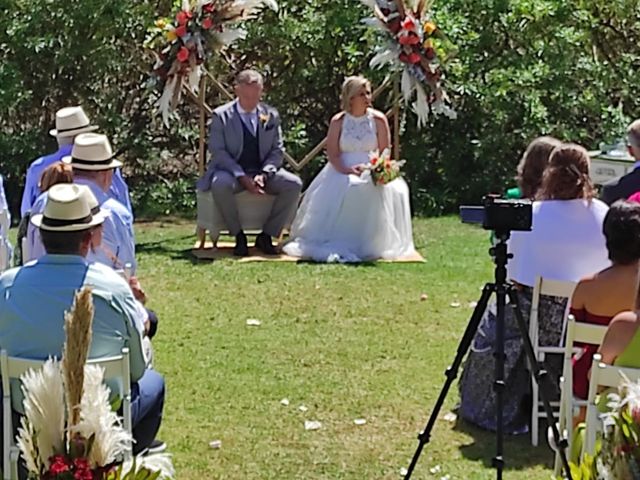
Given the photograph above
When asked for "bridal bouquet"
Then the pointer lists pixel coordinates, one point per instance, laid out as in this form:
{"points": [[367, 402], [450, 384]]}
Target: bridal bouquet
{"points": [[618, 455], [417, 46], [182, 44], [69, 431], [382, 169]]}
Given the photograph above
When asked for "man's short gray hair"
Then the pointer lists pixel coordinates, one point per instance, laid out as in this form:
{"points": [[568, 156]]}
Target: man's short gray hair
{"points": [[249, 76], [633, 134]]}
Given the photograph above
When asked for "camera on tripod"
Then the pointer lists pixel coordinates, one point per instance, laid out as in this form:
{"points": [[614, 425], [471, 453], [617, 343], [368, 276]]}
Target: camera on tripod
{"points": [[502, 216], [499, 214]]}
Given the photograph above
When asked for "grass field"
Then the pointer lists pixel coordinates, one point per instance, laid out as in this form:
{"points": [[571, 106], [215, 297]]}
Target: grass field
{"points": [[347, 342]]}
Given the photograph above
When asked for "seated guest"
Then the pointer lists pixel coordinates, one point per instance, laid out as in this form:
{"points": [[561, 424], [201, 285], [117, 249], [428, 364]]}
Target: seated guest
{"points": [[566, 244], [54, 174], [70, 121], [4, 206], [33, 299], [93, 165], [532, 166], [621, 344], [628, 184], [600, 297], [5, 246]]}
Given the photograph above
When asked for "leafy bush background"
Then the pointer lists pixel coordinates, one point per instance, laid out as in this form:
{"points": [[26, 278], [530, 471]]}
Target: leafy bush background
{"points": [[523, 68]]}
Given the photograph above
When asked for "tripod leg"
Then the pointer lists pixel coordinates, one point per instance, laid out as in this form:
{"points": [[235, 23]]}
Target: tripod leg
{"points": [[499, 385], [541, 376], [452, 372]]}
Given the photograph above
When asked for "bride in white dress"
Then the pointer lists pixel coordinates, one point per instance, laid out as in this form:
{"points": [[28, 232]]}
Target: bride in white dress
{"points": [[344, 217]]}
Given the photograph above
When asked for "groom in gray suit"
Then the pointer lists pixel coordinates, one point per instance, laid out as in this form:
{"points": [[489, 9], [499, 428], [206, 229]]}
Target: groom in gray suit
{"points": [[246, 147]]}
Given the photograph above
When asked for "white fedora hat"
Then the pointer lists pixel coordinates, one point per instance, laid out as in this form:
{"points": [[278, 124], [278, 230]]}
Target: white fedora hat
{"points": [[70, 121], [92, 151], [69, 208]]}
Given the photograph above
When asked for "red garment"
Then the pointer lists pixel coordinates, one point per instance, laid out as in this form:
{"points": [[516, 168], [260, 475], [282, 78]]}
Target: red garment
{"points": [[582, 360]]}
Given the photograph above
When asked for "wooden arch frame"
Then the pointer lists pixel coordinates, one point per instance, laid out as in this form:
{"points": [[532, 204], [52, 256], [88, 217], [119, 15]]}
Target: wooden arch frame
{"points": [[199, 99]]}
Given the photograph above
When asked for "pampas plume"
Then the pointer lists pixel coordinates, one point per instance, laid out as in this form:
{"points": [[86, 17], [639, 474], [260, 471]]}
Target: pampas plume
{"points": [[159, 462], [41, 434], [77, 327], [110, 439]]}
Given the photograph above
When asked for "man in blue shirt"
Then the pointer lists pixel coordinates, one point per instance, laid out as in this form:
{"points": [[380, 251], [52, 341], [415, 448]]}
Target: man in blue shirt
{"points": [[93, 165], [70, 121], [33, 299]]}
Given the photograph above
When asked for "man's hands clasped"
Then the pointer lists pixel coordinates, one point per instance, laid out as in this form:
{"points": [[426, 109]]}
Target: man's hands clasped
{"points": [[254, 185]]}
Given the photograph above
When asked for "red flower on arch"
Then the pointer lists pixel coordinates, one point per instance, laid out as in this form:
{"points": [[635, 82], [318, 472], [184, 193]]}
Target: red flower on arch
{"points": [[183, 54]]}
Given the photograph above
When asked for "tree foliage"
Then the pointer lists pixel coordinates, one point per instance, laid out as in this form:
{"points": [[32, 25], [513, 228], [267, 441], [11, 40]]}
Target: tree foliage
{"points": [[523, 68]]}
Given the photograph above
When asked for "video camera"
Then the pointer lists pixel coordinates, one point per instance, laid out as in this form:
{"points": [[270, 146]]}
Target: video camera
{"points": [[499, 214]]}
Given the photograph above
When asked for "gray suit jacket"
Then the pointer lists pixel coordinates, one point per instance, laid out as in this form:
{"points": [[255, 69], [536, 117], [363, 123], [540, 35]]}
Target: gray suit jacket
{"points": [[226, 142]]}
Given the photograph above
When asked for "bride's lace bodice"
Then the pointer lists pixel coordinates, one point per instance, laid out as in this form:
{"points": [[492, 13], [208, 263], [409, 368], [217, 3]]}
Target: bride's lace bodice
{"points": [[358, 134]]}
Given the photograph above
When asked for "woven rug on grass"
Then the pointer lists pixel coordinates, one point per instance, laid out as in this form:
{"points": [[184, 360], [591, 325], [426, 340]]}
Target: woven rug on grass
{"points": [[225, 250]]}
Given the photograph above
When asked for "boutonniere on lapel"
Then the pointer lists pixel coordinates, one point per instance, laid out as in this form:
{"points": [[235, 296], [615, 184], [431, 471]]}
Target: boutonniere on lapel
{"points": [[264, 118]]}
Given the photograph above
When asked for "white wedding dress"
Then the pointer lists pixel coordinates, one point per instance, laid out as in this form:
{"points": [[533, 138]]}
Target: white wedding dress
{"points": [[346, 218]]}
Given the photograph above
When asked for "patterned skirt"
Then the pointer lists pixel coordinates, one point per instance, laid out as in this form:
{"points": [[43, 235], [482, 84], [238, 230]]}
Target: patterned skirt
{"points": [[478, 399]]}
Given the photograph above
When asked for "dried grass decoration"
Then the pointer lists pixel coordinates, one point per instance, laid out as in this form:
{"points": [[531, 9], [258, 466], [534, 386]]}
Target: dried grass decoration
{"points": [[183, 43], [416, 45], [91, 444]]}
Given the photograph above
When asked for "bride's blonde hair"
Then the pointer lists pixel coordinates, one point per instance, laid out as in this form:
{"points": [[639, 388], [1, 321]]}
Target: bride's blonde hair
{"points": [[350, 89]]}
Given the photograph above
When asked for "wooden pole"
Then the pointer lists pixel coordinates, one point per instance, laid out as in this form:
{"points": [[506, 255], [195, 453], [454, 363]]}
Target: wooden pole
{"points": [[396, 118], [202, 151]]}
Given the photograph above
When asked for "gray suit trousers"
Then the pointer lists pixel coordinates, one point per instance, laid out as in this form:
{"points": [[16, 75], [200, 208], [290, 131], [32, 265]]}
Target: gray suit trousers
{"points": [[285, 186]]}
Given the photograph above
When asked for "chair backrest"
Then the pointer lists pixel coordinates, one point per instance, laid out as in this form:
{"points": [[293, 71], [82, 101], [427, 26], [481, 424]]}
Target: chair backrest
{"points": [[546, 286], [116, 373], [602, 375], [583, 333]]}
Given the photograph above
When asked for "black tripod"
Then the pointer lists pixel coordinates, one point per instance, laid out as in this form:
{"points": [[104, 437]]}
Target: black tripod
{"points": [[501, 288]]}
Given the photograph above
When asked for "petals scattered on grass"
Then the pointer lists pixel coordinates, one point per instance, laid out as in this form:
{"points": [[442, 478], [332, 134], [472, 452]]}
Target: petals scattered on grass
{"points": [[311, 425]]}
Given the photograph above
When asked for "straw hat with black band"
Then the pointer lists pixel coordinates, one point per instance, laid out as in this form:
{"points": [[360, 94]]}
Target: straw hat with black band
{"points": [[92, 151], [69, 208], [71, 121]]}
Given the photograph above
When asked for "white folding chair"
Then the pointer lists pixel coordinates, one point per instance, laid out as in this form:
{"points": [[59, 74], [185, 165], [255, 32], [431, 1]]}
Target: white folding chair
{"points": [[602, 375], [116, 371], [556, 288], [576, 332]]}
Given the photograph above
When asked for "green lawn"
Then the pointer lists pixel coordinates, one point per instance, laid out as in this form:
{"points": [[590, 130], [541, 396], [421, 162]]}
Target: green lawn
{"points": [[347, 342]]}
